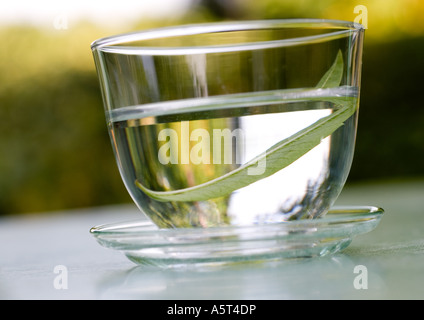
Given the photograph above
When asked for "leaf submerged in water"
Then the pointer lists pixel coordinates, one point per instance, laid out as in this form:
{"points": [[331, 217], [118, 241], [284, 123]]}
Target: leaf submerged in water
{"points": [[276, 157]]}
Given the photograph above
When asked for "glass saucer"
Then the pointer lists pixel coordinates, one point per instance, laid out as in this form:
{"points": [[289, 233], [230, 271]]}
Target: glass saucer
{"points": [[145, 244]]}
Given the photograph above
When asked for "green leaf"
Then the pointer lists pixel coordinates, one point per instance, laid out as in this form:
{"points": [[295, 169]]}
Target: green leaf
{"points": [[333, 76], [275, 158]]}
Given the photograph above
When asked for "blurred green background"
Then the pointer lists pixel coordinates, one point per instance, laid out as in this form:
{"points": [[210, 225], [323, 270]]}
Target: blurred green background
{"points": [[54, 146]]}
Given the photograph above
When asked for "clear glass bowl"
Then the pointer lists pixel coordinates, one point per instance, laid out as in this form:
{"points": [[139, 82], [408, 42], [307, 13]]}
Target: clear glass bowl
{"points": [[234, 123]]}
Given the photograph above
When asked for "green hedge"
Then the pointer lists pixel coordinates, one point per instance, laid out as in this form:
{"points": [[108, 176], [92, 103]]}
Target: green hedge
{"points": [[55, 149]]}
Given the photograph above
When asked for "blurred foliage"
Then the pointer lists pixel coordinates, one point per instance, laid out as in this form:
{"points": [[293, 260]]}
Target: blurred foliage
{"points": [[54, 145]]}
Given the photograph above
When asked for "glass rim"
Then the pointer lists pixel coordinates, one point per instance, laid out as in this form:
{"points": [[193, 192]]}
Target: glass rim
{"points": [[116, 43]]}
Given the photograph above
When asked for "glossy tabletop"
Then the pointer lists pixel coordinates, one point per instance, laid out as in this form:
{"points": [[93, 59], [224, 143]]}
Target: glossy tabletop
{"points": [[53, 256]]}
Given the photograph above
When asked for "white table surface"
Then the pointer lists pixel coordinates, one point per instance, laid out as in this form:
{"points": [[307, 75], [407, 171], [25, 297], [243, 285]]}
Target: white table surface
{"points": [[32, 245]]}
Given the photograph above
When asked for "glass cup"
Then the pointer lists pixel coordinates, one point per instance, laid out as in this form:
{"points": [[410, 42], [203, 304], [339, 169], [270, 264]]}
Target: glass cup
{"points": [[234, 123]]}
